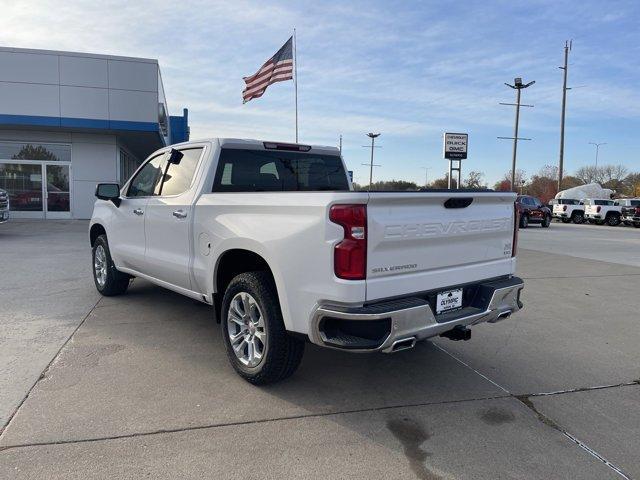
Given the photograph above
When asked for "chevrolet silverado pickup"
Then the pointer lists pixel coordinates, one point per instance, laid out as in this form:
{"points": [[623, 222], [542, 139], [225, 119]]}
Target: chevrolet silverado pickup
{"points": [[273, 236]]}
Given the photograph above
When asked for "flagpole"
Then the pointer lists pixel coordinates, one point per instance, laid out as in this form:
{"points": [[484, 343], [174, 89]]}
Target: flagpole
{"points": [[295, 73]]}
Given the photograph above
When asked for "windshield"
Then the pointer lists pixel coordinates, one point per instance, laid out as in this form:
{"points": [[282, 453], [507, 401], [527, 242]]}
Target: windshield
{"points": [[276, 171]]}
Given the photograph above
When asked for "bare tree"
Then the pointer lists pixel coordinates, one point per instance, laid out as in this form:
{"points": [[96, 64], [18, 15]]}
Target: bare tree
{"points": [[589, 174], [474, 180]]}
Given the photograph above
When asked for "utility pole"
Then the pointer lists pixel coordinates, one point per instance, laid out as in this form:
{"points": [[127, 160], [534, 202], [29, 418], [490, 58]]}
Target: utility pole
{"points": [[567, 48], [373, 137], [426, 176], [597, 149], [518, 86]]}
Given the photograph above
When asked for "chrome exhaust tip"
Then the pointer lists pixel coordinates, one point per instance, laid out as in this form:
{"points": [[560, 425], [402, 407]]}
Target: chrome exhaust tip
{"points": [[404, 344], [501, 316]]}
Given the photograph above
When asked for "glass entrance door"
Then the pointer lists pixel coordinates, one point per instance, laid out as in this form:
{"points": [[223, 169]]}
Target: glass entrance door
{"points": [[56, 191]]}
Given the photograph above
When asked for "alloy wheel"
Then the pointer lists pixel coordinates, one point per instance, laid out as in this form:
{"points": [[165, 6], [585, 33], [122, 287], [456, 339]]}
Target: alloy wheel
{"points": [[246, 329]]}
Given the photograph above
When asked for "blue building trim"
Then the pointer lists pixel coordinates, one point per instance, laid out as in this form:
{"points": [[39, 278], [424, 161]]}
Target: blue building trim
{"points": [[40, 121], [29, 120], [179, 127]]}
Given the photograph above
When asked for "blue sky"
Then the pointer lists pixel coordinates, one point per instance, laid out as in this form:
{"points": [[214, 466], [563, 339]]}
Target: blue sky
{"points": [[410, 70]]}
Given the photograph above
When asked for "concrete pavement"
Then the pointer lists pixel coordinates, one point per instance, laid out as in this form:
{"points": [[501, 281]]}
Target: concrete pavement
{"points": [[143, 387]]}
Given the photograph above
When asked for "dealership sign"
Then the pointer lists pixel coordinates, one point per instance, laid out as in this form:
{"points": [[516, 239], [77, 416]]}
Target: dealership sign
{"points": [[455, 145]]}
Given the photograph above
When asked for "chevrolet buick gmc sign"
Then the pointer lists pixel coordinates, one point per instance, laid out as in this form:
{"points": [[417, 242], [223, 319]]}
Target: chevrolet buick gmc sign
{"points": [[455, 145]]}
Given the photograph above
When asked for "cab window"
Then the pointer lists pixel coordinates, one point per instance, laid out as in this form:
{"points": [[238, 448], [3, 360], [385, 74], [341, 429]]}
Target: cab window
{"points": [[179, 176], [146, 182]]}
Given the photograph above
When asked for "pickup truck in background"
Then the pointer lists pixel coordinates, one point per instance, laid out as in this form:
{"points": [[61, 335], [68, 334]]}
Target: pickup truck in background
{"points": [[601, 211], [630, 211], [272, 235], [4, 206], [569, 210]]}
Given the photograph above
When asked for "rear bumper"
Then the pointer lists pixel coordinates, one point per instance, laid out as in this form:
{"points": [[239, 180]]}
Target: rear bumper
{"points": [[412, 318]]}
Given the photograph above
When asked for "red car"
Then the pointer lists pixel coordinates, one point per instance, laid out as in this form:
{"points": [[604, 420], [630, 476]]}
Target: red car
{"points": [[531, 210]]}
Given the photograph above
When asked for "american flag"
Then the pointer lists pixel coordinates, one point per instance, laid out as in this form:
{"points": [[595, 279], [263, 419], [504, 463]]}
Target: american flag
{"points": [[277, 69]]}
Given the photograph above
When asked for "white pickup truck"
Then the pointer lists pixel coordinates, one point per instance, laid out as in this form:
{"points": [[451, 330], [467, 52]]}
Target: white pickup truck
{"points": [[601, 211], [569, 210], [272, 235]]}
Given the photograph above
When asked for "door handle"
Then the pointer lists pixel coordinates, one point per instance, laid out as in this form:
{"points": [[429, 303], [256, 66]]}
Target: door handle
{"points": [[138, 211], [180, 214]]}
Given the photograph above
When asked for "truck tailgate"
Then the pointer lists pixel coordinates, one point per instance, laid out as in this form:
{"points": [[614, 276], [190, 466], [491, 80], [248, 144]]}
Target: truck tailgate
{"points": [[421, 241]]}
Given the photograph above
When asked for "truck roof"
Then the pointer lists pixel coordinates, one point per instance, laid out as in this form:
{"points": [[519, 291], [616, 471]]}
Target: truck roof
{"points": [[254, 144]]}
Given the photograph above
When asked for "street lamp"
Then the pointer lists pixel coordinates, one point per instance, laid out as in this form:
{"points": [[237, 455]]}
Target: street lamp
{"points": [[518, 85], [597, 149]]}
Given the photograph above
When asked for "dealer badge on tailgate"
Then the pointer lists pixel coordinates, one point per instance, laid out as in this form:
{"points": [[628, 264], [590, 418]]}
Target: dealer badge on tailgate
{"points": [[449, 300]]}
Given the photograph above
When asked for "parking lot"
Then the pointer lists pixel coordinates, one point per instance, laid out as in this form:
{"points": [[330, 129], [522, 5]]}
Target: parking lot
{"points": [[139, 385]]}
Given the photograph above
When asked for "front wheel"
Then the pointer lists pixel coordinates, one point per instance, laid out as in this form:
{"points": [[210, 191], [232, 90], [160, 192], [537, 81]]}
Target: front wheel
{"points": [[109, 281], [524, 221], [637, 225], [257, 343], [546, 222]]}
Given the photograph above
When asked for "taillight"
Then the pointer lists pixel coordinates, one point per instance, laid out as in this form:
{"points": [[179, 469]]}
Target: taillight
{"points": [[564, 208], [637, 210], [350, 255], [516, 226], [598, 209]]}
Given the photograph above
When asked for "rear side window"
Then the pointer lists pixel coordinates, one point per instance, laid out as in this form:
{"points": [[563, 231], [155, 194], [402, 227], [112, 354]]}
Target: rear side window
{"points": [[567, 201], [603, 202], [634, 203], [275, 171], [179, 176]]}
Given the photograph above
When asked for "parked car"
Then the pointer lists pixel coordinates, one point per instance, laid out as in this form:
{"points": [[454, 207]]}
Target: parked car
{"points": [[601, 211], [630, 211], [4, 206], [272, 236], [569, 210], [531, 210]]}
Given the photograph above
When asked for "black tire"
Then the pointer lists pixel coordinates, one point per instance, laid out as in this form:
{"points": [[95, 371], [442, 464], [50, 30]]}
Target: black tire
{"points": [[546, 222], [577, 218], [566, 220], [637, 225], [282, 353], [613, 220], [524, 221], [116, 282]]}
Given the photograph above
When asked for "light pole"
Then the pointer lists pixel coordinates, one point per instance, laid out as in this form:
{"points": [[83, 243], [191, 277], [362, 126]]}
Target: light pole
{"points": [[518, 86], [426, 176], [597, 149], [373, 137], [565, 68]]}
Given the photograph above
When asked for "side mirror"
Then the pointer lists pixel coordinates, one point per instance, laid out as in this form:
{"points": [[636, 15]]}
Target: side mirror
{"points": [[109, 191], [175, 157]]}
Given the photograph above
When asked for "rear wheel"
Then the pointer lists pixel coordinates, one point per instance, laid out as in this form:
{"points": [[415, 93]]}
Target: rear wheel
{"points": [[257, 343], [524, 221], [613, 220], [546, 222], [577, 218], [108, 280]]}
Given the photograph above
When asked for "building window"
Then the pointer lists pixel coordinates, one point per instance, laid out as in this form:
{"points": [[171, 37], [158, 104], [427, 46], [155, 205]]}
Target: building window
{"points": [[49, 152], [128, 165]]}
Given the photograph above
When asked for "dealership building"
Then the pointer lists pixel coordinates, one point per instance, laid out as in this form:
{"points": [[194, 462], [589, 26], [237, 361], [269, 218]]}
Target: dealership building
{"points": [[71, 120]]}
